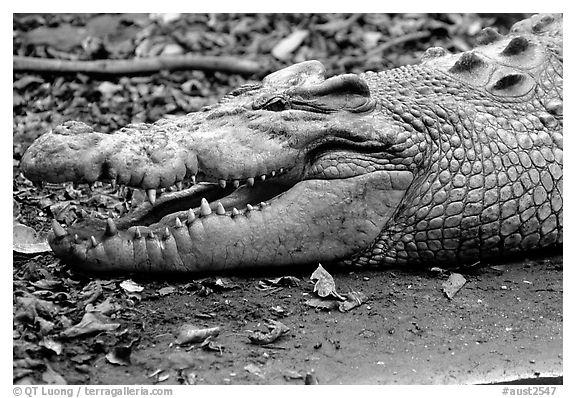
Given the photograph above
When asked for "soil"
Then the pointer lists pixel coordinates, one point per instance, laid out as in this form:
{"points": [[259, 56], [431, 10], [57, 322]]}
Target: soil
{"points": [[504, 324]]}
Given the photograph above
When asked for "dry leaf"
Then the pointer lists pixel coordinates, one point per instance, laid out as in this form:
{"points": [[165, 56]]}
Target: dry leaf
{"points": [[277, 329], [192, 334], [26, 240], [289, 44], [131, 286], [453, 285], [325, 283], [92, 322]]}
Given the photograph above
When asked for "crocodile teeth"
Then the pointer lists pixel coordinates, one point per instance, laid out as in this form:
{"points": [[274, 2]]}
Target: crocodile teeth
{"points": [[281, 170], [205, 208], [220, 209], [151, 235], [76, 239], [273, 173], [178, 223], [137, 233], [222, 183], [235, 212], [249, 207], [93, 241], [263, 177], [179, 185], [151, 194], [167, 233], [250, 181], [193, 180], [236, 183], [58, 230], [191, 216], [111, 229]]}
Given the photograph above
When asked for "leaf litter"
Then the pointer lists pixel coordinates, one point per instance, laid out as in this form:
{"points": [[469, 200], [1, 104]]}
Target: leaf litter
{"points": [[329, 298]]}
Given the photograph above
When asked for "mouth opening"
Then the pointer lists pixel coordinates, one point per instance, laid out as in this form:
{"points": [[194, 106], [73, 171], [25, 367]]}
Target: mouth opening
{"points": [[177, 204]]}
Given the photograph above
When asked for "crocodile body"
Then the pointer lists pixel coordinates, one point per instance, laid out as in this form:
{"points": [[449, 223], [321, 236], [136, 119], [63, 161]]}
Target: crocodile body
{"points": [[455, 160]]}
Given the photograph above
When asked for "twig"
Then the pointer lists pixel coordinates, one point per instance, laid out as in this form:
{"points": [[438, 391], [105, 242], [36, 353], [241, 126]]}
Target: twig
{"points": [[399, 40], [138, 65]]}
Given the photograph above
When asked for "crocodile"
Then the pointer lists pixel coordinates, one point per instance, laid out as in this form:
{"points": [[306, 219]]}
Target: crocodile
{"points": [[454, 160]]}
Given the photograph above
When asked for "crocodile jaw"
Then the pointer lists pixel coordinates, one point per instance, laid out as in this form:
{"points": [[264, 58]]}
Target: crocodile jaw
{"points": [[315, 220]]}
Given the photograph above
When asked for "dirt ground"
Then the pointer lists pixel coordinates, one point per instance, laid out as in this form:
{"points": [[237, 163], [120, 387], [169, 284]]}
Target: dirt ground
{"points": [[505, 323]]}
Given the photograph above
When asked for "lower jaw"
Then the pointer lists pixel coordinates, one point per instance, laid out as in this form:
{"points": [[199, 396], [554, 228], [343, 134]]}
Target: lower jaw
{"points": [[315, 220]]}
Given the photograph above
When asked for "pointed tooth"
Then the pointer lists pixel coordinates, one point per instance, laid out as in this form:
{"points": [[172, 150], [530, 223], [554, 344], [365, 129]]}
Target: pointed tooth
{"points": [[236, 183], [250, 181], [191, 216], [59, 231], [178, 223], [263, 204], [111, 229], [76, 239], [220, 209], [249, 207], [193, 179], [222, 183], [93, 241], [137, 233], [281, 170], [272, 173], [151, 194], [205, 208], [263, 177], [179, 185], [167, 233], [152, 235], [235, 212]]}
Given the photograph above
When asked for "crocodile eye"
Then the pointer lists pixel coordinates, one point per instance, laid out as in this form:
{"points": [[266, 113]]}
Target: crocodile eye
{"points": [[276, 105]]}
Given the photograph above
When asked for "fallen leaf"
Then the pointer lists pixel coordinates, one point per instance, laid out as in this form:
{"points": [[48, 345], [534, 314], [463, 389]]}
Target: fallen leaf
{"points": [[27, 241], [353, 300], [51, 345], [453, 285], [289, 44], [107, 307], [165, 291], [192, 334], [268, 284], [325, 304], [92, 322], [276, 329], [120, 355], [325, 284], [131, 286]]}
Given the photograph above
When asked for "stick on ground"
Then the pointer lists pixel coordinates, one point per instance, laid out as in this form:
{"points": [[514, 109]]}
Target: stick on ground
{"points": [[138, 65]]}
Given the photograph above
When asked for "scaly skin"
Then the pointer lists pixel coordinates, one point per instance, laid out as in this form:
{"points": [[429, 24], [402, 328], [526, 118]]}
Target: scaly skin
{"points": [[455, 160]]}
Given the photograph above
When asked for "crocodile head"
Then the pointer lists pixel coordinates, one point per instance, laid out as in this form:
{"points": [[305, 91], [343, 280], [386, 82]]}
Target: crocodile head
{"points": [[297, 169], [400, 165]]}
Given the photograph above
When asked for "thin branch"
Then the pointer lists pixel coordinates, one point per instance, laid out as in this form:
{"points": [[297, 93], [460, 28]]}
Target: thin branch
{"points": [[138, 65], [399, 40]]}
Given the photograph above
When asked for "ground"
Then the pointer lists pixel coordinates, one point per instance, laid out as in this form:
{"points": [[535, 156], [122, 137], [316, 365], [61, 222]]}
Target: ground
{"points": [[504, 324]]}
